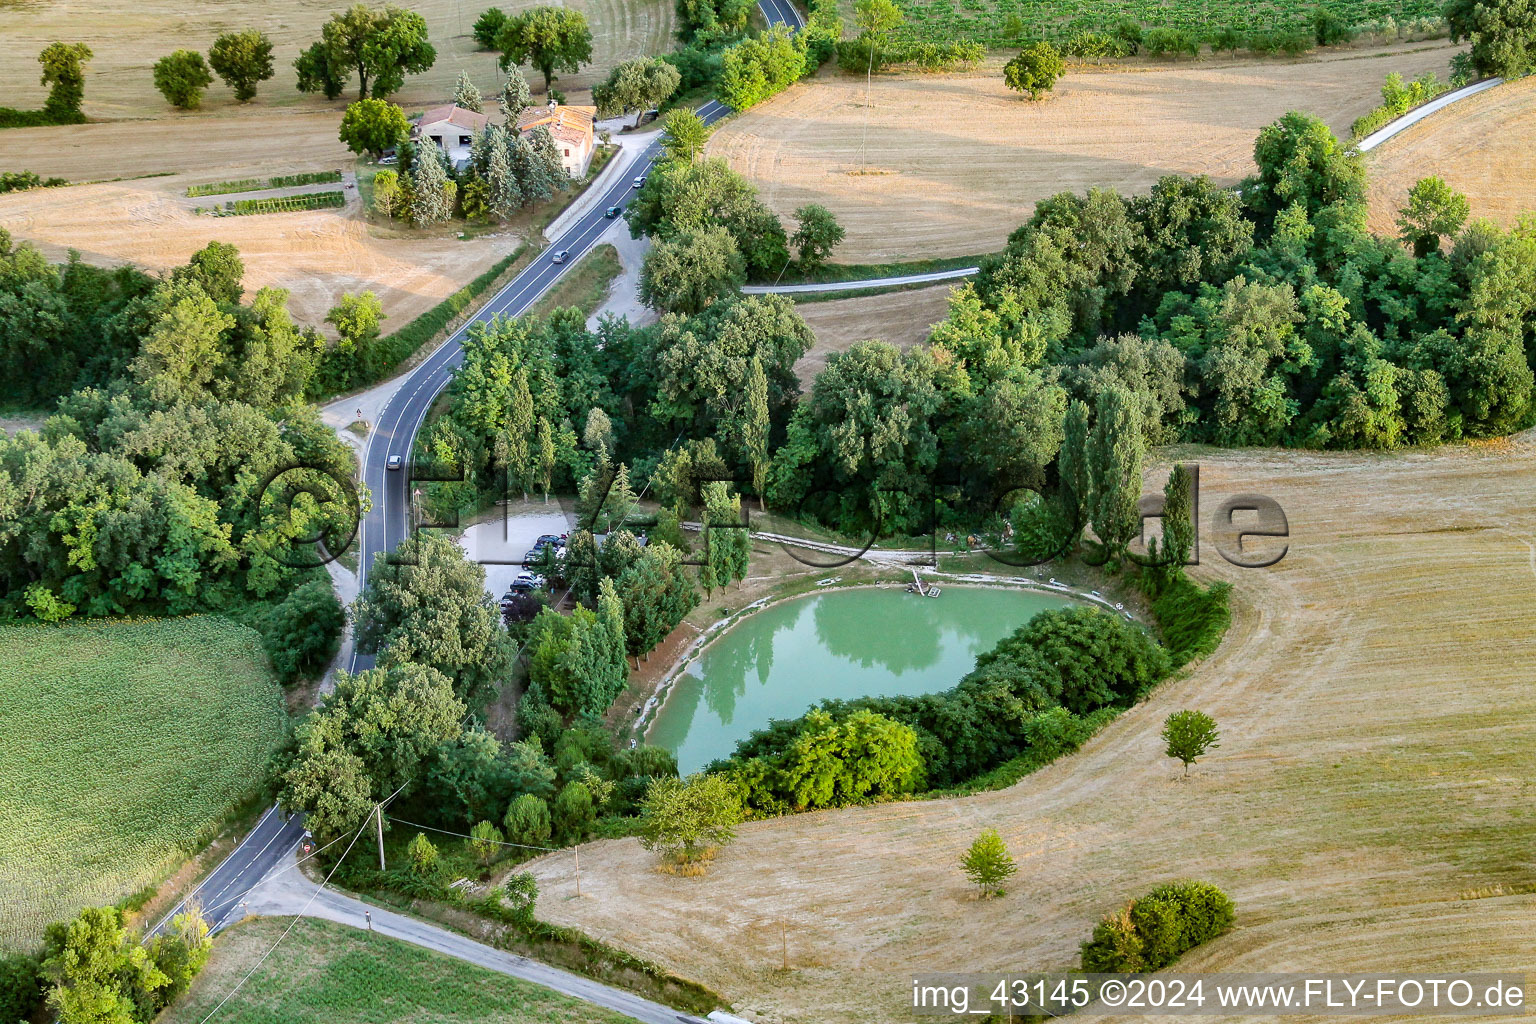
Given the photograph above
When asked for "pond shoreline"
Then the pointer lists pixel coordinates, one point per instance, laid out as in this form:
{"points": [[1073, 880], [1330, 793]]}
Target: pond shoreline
{"points": [[665, 686]]}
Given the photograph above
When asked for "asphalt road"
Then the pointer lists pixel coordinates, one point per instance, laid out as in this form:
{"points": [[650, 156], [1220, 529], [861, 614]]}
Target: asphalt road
{"points": [[222, 894], [388, 521]]}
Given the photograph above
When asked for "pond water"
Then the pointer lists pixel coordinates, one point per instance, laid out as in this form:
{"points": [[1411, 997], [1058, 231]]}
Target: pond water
{"points": [[778, 662]]}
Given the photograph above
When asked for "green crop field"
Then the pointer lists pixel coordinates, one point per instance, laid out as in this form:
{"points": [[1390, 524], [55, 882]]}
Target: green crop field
{"points": [[988, 21], [329, 972], [126, 743]]}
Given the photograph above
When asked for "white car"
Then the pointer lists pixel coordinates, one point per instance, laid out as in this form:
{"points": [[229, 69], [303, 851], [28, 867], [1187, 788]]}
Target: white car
{"points": [[638, 182], [394, 462]]}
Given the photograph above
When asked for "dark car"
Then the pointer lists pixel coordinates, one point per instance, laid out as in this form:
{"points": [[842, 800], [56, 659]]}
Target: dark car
{"points": [[613, 211], [550, 539]]}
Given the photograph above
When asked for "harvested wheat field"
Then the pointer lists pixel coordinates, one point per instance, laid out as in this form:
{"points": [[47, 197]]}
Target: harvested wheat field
{"points": [[317, 254], [128, 36], [1369, 808], [948, 165], [1481, 146], [901, 318]]}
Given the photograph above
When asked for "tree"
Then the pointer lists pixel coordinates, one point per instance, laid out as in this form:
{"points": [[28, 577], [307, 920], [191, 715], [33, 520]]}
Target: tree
{"points": [[465, 94], [1035, 70], [683, 134], [516, 97], [686, 820], [1114, 469], [706, 23], [432, 193], [428, 605], [549, 39], [573, 812], [242, 60], [486, 839], [181, 78], [690, 270], [97, 969], [381, 44], [64, 71], [1435, 211], [760, 66], [527, 820], [422, 855], [303, 631], [1301, 163], [1503, 34], [1188, 735], [1178, 520], [759, 428], [356, 319], [217, 269], [506, 196], [488, 26], [988, 864], [819, 233], [635, 85], [372, 126], [1073, 472], [370, 736]]}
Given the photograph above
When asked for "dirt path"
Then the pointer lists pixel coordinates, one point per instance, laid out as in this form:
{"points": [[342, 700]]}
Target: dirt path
{"points": [[948, 165], [1367, 809]]}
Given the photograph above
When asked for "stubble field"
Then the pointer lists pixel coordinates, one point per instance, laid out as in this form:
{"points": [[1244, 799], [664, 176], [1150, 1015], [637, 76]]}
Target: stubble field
{"points": [[128, 36], [316, 254], [901, 318], [1481, 146], [946, 165], [1370, 806]]}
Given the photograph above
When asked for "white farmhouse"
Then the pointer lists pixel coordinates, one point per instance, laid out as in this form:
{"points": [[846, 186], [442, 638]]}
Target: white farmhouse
{"points": [[572, 129]]}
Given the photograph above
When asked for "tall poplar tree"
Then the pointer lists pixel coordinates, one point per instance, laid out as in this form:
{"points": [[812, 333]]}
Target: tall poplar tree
{"points": [[1072, 469], [758, 426], [1114, 469]]}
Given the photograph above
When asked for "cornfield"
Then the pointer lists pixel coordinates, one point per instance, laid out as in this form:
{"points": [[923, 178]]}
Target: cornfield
{"points": [[328, 972], [127, 743]]}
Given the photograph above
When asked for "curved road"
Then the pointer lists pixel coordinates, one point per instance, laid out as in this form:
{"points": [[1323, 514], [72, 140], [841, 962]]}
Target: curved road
{"points": [[225, 892]]}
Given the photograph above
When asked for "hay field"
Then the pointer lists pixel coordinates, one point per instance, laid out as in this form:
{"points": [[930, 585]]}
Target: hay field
{"points": [[901, 318], [946, 165], [1480, 146], [328, 972], [316, 254], [128, 36], [1370, 806], [126, 743]]}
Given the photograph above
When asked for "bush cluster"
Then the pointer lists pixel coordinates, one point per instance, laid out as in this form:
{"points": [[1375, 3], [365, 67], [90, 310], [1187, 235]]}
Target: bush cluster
{"points": [[1397, 98], [21, 181], [1192, 619], [1151, 932]]}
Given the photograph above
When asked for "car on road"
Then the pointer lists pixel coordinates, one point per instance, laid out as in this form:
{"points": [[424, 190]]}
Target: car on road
{"points": [[639, 181], [394, 462], [561, 256], [613, 211]]}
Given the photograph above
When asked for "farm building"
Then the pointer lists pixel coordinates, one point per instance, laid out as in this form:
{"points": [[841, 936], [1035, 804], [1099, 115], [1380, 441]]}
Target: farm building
{"points": [[451, 127], [571, 127]]}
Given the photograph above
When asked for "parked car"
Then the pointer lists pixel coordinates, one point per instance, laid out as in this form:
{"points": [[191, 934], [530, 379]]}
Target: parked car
{"points": [[394, 462], [550, 539], [613, 211], [561, 256]]}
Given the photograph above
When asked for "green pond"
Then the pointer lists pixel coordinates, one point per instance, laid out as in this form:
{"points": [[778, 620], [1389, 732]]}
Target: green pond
{"points": [[780, 661]]}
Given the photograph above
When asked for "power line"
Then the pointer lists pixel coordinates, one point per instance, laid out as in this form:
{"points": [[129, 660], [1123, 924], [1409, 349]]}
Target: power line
{"points": [[478, 839]]}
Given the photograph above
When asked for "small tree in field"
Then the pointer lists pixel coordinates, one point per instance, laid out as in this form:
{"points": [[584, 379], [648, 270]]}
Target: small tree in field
{"points": [[64, 70], [181, 78], [988, 864], [1435, 211], [423, 855], [1035, 70], [686, 820], [818, 234], [1189, 734], [242, 59]]}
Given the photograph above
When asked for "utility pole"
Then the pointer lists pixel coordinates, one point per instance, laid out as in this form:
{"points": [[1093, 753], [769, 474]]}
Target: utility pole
{"points": [[379, 809], [578, 870], [784, 945]]}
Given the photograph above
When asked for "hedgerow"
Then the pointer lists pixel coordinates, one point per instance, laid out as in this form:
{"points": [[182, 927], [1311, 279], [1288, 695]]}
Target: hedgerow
{"points": [[1151, 932]]}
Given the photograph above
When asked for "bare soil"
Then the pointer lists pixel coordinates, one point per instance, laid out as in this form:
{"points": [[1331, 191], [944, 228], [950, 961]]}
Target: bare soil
{"points": [[1482, 148], [1368, 808], [946, 165], [901, 318], [128, 36], [315, 254]]}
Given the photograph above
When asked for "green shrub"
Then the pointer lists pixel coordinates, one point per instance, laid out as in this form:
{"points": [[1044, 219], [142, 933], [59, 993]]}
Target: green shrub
{"points": [[423, 856], [22, 181], [1152, 932], [1171, 42], [528, 821], [573, 812], [301, 633], [307, 178], [1330, 29], [1192, 619], [288, 204], [21, 986]]}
